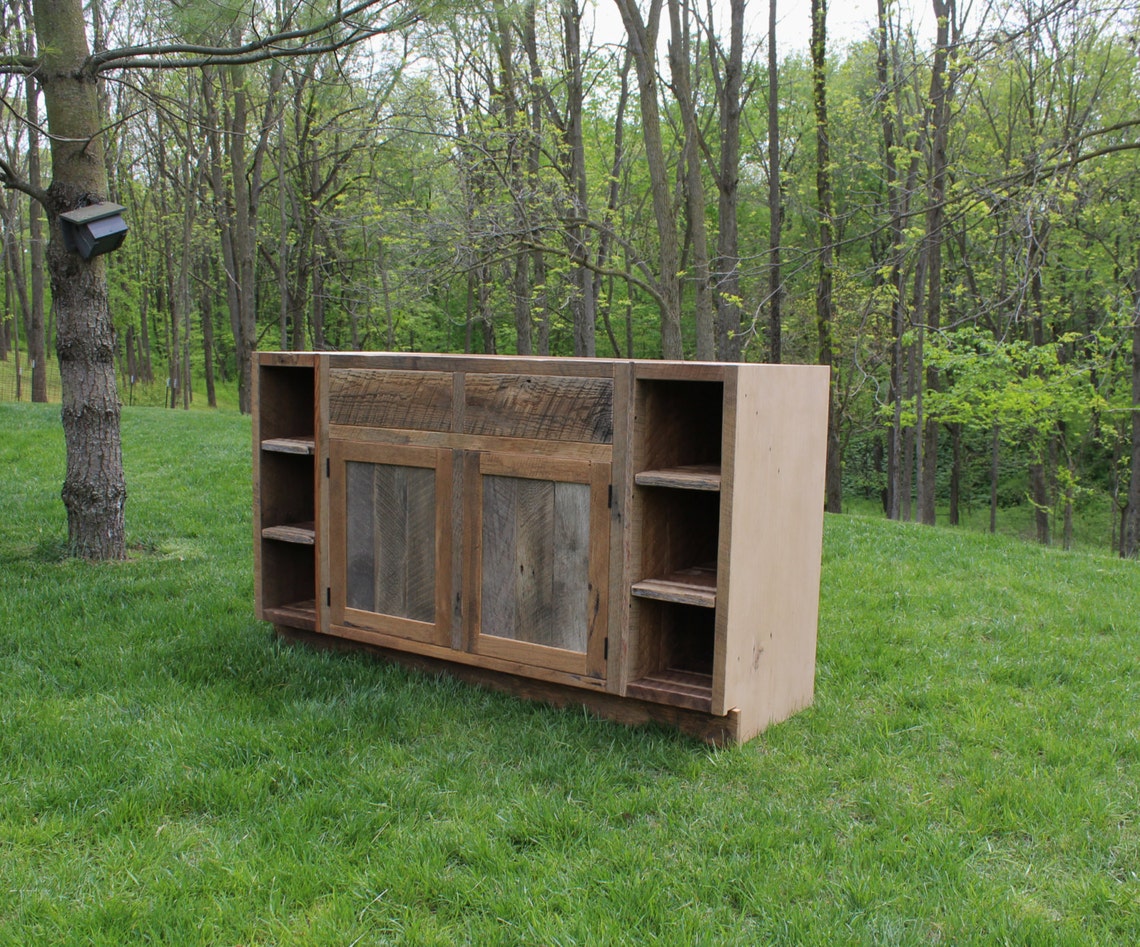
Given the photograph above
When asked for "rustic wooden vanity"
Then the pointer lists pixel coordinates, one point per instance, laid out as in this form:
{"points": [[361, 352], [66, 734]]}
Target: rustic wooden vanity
{"points": [[642, 538]]}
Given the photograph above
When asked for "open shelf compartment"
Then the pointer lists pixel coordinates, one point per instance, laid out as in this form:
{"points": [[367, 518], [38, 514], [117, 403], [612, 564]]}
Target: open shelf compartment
{"points": [[675, 659]]}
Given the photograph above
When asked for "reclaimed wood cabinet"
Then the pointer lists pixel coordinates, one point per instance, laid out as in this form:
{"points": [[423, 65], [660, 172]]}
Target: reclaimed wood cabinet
{"points": [[642, 538]]}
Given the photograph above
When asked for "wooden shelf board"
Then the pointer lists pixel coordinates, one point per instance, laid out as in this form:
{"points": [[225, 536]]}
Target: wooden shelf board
{"points": [[290, 445], [692, 586], [689, 477], [675, 686], [302, 533], [293, 614]]}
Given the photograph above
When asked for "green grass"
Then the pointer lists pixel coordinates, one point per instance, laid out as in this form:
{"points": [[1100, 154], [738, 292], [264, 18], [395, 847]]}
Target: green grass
{"points": [[153, 395], [969, 774]]}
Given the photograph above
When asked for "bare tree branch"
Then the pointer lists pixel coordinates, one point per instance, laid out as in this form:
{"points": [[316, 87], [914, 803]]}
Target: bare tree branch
{"points": [[13, 182], [298, 42]]}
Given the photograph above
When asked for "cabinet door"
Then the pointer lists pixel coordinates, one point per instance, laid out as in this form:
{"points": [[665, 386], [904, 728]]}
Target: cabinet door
{"points": [[390, 547], [538, 555]]}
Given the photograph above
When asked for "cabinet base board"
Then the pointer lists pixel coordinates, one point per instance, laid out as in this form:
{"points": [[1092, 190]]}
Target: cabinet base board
{"points": [[625, 710]]}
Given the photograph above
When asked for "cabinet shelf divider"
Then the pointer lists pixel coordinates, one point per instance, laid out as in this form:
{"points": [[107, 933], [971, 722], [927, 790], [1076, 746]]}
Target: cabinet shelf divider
{"points": [[303, 534], [689, 477], [675, 686], [290, 445], [692, 586]]}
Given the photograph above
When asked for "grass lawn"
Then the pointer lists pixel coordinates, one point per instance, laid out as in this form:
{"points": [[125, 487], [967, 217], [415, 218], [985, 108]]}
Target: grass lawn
{"points": [[969, 774]]}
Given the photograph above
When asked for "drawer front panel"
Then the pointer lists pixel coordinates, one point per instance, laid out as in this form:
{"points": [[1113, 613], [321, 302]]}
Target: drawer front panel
{"points": [[540, 406], [410, 401]]}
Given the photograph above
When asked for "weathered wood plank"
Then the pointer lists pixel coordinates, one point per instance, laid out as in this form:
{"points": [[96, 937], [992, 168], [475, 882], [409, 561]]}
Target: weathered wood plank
{"points": [[676, 688], [688, 477], [534, 558], [576, 452], [571, 587], [500, 508], [420, 544], [390, 399], [360, 543], [692, 586], [289, 445], [390, 529], [302, 534], [542, 407]]}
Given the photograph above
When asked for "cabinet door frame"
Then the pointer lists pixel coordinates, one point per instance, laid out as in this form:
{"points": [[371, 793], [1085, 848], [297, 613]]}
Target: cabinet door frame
{"points": [[595, 475], [343, 452]]}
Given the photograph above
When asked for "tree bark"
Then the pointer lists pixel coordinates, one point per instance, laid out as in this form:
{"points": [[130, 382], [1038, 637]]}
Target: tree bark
{"points": [[94, 489], [37, 343], [642, 45], [941, 91], [824, 303], [206, 314], [775, 192], [583, 304], [955, 474], [1130, 535], [680, 62], [995, 470]]}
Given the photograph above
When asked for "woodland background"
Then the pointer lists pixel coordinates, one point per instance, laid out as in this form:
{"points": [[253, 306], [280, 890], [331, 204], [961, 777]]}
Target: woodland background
{"points": [[947, 216]]}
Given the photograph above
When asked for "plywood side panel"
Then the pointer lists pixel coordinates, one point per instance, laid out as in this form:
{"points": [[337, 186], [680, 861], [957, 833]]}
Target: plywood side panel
{"points": [[776, 527]]}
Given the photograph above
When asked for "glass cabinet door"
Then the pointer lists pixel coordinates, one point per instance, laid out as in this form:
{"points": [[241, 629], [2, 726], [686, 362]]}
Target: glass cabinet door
{"points": [[538, 555], [390, 552]]}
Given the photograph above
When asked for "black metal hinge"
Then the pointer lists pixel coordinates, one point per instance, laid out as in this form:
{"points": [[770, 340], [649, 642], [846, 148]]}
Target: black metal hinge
{"points": [[328, 596], [606, 650], [610, 501], [328, 467]]}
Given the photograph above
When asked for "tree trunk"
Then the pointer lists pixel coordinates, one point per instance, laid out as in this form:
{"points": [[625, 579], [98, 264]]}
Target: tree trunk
{"points": [[206, 314], [941, 91], [824, 303], [583, 304], [37, 343], [995, 470], [1130, 534], [94, 488], [680, 62], [642, 46], [955, 473], [775, 192], [1038, 470], [244, 320]]}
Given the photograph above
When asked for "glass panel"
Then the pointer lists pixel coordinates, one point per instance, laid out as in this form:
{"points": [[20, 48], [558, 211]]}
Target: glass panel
{"points": [[390, 533], [536, 551]]}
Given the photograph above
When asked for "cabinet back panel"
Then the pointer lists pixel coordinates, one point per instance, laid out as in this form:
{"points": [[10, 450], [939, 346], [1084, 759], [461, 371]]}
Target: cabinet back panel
{"points": [[678, 423]]}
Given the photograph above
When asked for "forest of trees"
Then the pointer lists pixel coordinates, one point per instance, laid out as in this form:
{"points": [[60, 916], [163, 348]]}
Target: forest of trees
{"points": [[948, 216]]}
